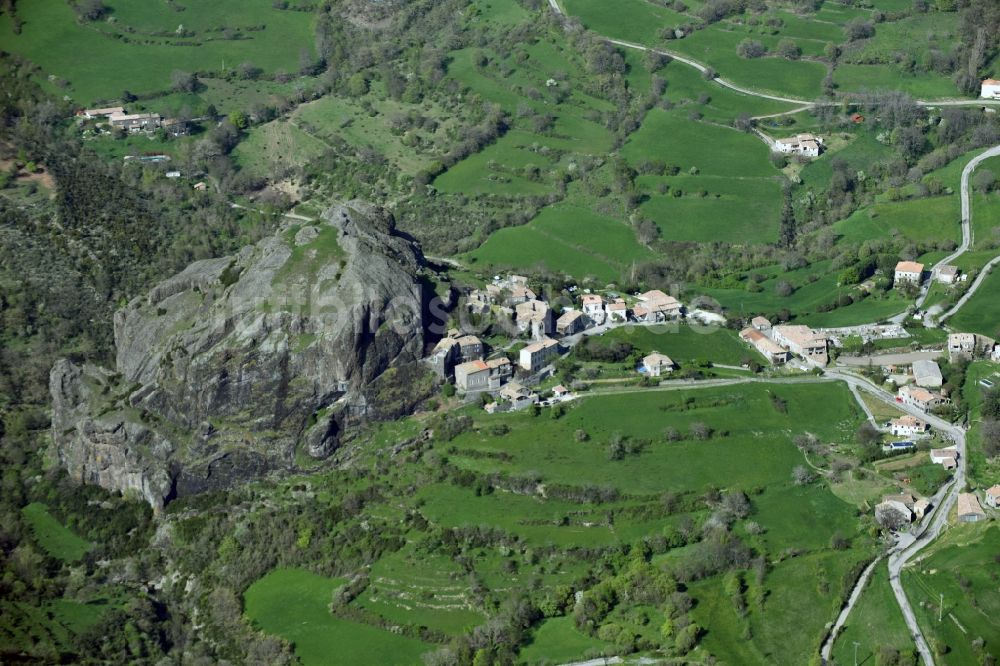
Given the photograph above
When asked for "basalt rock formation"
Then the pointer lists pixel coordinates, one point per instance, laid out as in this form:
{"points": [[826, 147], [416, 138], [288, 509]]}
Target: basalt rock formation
{"points": [[236, 366]]}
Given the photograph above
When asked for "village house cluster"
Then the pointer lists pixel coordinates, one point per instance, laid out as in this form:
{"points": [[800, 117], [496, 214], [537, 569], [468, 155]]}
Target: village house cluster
{"points": [[525, 315], [913, 273], [778, 343], [805, 145], [117, 118]]}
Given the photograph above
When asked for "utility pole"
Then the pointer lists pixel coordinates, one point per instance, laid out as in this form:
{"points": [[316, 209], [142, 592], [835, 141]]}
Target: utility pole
{"points": [[856, 644], [941, 608]]}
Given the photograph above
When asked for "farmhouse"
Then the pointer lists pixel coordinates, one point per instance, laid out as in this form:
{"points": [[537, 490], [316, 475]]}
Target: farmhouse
{"points": [[656, 364], [908, 426], [946, 274], [656, 306], [570, 322], [893, 513], [908, 272], [943, 456], [806, 145], [617, 311], [990, 89], [518, 395], [927, 374], [534, 357], [104, 112], [135, 122], [482, 375], [803, 341], [762, 324], [921, 398], [593, 307], [968, 345], [534, 318], [969, 509], [768, 348], [993, 496]]}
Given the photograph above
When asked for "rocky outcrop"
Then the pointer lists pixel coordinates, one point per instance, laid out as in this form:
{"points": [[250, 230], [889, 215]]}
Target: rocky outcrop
{"points": [[236, 365]]}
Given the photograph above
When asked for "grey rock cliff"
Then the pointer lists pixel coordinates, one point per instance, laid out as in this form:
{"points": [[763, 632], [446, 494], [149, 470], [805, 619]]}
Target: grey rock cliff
{"points": [[232, 367]]}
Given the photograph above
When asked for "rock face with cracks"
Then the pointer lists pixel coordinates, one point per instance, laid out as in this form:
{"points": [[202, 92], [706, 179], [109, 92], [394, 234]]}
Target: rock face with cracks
{"points": [[234, 366]]}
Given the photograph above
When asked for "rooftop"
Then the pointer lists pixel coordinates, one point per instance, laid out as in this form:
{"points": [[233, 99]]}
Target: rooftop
{"points": [[909, 267], [540, 345], [968, 503]]}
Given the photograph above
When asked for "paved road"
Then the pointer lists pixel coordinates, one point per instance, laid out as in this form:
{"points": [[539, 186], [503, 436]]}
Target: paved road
{"points": [[983, 274], [888, 359], [859, 587], [943, 502], [804, 104], [967, 236]]}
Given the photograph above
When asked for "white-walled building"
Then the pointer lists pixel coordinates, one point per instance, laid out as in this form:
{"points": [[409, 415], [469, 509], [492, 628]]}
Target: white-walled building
{"points": [[909, 271], [990, 89]]}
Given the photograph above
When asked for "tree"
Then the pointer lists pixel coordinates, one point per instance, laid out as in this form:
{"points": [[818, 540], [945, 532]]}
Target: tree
{"points": [[700, 430], [239, 120], [859, 28], [182, 81], [249, 71], [784, 288], [90, 10], [991, 438], [984, 180], [750, 48], [801, 476], [788, 49], [867, 434]]}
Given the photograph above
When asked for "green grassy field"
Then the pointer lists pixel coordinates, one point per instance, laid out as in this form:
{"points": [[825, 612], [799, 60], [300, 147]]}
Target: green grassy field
{"points": [[54, 40], [729, 192], [962, 567], [815, 286], [981, 313], [684, 344], [875, 622], [861, 78], [565, 238], [800, 596], [276, 145], [333, 118], [60, 622], [873, 64], [932, 220], [639, 21], [685, 86], [557, 641], [292, 604], [982, 471], [756, 452], [57, 540], [422, 590]]}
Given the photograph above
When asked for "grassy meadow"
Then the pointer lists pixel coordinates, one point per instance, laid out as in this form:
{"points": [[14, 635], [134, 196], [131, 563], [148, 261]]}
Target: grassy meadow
{"points": [[568, 239], [730, 191], [292, 604], [962, 567], [131, 41], [58, 541], [981, 313], [751, 454]]}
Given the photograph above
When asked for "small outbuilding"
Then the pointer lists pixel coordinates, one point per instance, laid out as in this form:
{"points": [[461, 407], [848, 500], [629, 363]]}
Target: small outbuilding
{"points": [[969, 510]]}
